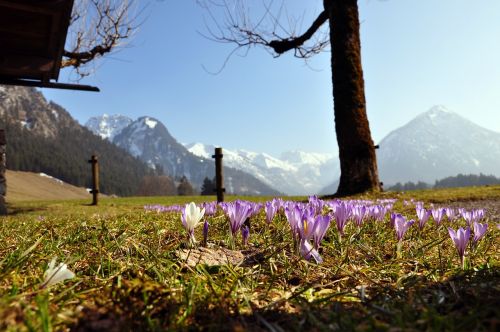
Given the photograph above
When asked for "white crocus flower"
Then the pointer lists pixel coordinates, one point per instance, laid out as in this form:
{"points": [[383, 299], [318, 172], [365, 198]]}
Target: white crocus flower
{"points": [[55, 274], [190, 217]]}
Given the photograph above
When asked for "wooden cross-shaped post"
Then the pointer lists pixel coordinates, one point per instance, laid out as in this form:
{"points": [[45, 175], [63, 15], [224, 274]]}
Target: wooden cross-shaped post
{"points": [[95, 179], [219, 175]]}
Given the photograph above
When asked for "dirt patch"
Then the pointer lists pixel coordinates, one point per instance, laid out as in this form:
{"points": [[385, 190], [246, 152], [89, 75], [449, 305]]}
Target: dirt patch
{"points": [[211, 256]]}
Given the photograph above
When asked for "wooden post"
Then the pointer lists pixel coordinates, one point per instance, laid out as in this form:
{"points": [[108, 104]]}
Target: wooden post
{"points": [[95, 179], [3, 167], [219, 175]]}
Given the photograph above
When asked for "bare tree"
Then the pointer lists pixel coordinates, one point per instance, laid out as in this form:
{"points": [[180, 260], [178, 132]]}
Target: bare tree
{"points": [[237, 26], [98, 28]]}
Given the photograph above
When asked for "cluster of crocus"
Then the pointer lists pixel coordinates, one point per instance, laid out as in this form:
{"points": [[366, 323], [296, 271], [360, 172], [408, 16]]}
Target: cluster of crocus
{"points": [[162, 208], [471, 216], [310, 221], [461, 238], [238, 212], [307, 225]]}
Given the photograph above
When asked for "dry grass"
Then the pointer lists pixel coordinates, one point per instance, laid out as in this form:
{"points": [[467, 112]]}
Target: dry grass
{"points": [[26, 186]]}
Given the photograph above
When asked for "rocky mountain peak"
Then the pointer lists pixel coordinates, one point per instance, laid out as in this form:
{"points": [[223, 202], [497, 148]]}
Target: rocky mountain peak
{"points": [[108, 126]]}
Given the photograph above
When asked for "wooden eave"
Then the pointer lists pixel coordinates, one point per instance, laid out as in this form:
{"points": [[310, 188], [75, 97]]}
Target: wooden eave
{"points": [[32, 38]]}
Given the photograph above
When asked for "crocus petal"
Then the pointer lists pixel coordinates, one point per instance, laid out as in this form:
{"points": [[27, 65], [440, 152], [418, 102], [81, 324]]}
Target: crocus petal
{"points": [[307, 251], [55, 274]]}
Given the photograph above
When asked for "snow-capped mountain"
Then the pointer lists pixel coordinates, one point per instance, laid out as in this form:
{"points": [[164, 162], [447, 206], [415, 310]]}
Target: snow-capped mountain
{"points": [[294, 173], [434, 145], [108, 126], [437, 144], [149, 140]]}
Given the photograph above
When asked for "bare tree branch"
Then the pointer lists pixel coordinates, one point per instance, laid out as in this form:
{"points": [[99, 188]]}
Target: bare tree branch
{"points": [[98, 28], [281, 46], [237, 28]]}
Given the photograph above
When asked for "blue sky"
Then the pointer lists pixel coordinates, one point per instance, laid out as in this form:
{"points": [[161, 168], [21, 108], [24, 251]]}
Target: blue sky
{"points": [[415, 53]]}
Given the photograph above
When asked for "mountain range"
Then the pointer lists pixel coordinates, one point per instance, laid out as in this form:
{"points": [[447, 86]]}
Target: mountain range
{"points": [[149, 140], [293, 173], [43, 137], [436, 144]]}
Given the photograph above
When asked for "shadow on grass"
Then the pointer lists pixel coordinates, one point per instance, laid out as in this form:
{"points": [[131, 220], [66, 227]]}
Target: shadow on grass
{"points": [[465, 301], [16, 210]]}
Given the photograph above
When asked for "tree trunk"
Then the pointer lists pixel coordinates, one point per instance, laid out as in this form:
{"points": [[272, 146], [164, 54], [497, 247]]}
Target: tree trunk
{"points": [[358, 162]]}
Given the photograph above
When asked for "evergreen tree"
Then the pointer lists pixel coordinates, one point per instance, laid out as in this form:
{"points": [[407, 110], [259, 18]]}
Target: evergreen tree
{"points": [[208, 186], [185, 188]]}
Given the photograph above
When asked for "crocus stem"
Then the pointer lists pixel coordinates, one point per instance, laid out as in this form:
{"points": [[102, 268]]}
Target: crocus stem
{"points": [[232, 241], [398, 249]]}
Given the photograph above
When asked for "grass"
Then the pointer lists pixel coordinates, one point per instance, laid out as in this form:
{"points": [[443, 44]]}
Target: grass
{"points": [[130, 278]]}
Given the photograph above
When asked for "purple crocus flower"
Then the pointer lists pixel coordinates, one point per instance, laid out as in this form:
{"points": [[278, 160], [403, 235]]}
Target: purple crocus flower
{"points": [[306, 225], [341, 215], [401, 226], [450, 213], [254, 208], [378, 212], [294, 216], [393, 217], [317, 204], [271, 210], [460, 238], [423, 215], [237, 212], [437, 215], [472, 216], [210, 208], [468, 216], [358, 214], [321, 224], [479, 231], [307, 251], [245, 234]]}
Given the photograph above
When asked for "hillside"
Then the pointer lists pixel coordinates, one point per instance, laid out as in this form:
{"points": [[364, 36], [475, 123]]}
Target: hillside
{"points": [[27, 186], [42, 137]]}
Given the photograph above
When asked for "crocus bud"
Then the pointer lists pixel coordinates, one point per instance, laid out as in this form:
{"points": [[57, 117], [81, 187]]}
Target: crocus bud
{"points": [[245, 234], [205, 232]]}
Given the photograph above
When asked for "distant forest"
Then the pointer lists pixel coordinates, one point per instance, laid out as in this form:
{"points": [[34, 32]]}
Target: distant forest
{"points": [[66, 158], [459, 180]]}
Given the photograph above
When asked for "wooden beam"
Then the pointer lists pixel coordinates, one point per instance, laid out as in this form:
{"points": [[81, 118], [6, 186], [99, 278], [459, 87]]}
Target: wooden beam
{"points": [[53, 85]]}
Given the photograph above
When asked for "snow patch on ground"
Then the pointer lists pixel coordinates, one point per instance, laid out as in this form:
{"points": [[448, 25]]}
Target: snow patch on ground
{"points": [[51, 177]]}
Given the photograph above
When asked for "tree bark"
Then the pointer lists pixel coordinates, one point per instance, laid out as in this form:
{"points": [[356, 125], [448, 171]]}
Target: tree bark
{"points": [[358, 162]]}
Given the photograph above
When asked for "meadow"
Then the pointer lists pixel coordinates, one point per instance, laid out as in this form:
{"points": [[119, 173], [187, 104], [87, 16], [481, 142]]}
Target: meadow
{"points": [[133, 267]]}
